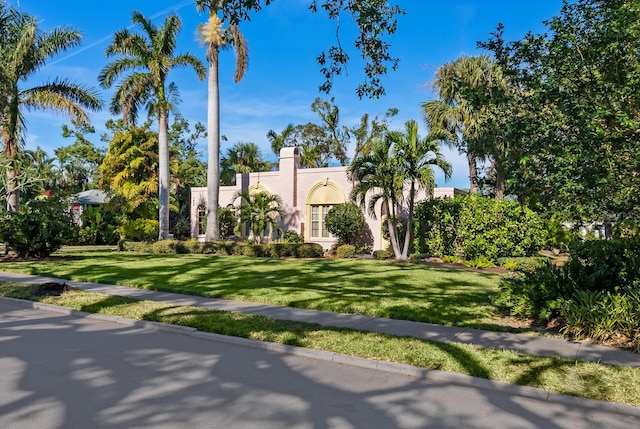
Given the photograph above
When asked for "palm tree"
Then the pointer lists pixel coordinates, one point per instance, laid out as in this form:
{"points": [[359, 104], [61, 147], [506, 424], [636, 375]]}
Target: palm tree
{"points": [[243, 157], [278, 141], [260, 211], [24, 49], [455, 112], [149, 57], [374, 177], [400, 159], [215, 37], [417, 157]]}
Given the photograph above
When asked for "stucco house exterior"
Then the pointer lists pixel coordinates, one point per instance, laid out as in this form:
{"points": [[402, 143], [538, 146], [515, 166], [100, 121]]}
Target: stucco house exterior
{"points": [[307, 195]]}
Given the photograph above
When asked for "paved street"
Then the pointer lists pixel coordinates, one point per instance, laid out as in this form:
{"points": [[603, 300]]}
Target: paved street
{"points": [[62, 371]]}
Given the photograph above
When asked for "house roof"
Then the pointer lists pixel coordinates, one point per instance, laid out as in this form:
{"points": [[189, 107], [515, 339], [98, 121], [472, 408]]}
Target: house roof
{"points": [[92, 197]]}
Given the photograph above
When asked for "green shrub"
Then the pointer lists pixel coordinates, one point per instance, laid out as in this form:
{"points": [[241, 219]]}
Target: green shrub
{"points": [[479, 262], [436, 224], [169, 247], [310, 250], [134, 246], [99, 226], [292, 237], [282, 250], [364, 250], [417, 257], [608, 265], [382, 254], [140, 230], [193, 246], [474, 227], [227, 221], [254, 250], [538, 294], [346, 222], [524, 263], [346, 251], [558, 236], [450, 259], [39, 229], [603, 316]]}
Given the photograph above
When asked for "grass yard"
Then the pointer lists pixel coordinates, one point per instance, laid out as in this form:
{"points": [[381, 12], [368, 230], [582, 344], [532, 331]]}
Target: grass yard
{"points": [[585, 379], [375, 288]]}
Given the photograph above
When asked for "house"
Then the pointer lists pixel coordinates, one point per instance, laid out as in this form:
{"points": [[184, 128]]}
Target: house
{"points": [[307, 195], [82, 200]]}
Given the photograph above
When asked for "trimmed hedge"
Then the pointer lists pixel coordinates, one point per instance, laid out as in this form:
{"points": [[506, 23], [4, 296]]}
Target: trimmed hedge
{"points": [[225, 248], [474, 227]]}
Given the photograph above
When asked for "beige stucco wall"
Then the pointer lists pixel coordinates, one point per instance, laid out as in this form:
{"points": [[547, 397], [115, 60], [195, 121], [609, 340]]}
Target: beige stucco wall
{"points": [[299, 188]]}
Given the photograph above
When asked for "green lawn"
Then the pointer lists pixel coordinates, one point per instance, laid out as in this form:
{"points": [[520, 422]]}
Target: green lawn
{"points": [[585, 379], [375, 288]]}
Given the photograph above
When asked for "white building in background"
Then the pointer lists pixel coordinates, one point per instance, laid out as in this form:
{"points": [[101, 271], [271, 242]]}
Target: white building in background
{"points": [[307, 195]]}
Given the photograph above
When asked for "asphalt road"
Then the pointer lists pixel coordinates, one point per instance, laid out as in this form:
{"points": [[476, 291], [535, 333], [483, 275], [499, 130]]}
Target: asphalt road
{"points": [[63, 371]]}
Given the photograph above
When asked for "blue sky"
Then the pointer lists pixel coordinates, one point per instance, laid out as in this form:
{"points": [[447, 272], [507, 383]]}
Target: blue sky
{"points": [[283, 78]]}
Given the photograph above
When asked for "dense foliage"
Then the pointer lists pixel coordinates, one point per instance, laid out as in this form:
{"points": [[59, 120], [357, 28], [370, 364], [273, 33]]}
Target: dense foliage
{"points": [[346, 222], [595, 294], [40, 228], [572, 119], [472, 227]]}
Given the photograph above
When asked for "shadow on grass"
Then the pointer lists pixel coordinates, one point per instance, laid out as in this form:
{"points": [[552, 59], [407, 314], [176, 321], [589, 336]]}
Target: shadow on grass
{"points": [[375, 288]]}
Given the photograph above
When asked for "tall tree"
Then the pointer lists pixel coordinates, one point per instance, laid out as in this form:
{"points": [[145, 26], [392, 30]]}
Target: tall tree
{"points": [[396, 168], [149, 57], [130, 169], [579, 152], [417, 157], [215, 37], [461, 86], [284, 139], [78, 163], [25, 49], [375, 179], [370, 130], [320, 143]]}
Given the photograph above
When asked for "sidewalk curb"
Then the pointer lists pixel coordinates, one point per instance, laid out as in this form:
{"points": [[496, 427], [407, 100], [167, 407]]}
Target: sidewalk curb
{"points": [[430, 375]]}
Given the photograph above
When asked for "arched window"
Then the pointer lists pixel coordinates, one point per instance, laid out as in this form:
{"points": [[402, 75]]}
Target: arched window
{"points": [[320, 199]]}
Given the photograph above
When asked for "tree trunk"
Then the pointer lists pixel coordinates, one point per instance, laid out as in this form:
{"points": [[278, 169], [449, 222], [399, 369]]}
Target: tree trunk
{"points": [[500, 180], [163, 175], [13, 192], [393, 231], [473, 173], [408, 236], [213, 148]]}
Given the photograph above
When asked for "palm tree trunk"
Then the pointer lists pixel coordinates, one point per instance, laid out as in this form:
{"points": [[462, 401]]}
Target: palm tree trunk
{"points": [[473, 173], [393, 230], [163, 175], [213, 148], [13, 192], [408, 234]]}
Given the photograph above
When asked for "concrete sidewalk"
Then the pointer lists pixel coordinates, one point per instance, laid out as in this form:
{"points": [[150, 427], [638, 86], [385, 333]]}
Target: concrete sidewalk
{"points": [[528, 344]]}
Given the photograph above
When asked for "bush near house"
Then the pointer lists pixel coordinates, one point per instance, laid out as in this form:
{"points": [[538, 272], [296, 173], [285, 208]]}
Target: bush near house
{"points": [[474, 227], [346, 222]]}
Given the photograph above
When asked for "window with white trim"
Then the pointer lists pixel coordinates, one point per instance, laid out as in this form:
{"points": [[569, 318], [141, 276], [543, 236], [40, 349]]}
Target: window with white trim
{"points": [[318, 225]]}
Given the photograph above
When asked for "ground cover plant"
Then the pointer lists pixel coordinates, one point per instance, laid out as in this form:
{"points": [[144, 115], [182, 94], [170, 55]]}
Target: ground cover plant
{"points": [[377, 288], [594, 295], [590, 380]]}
